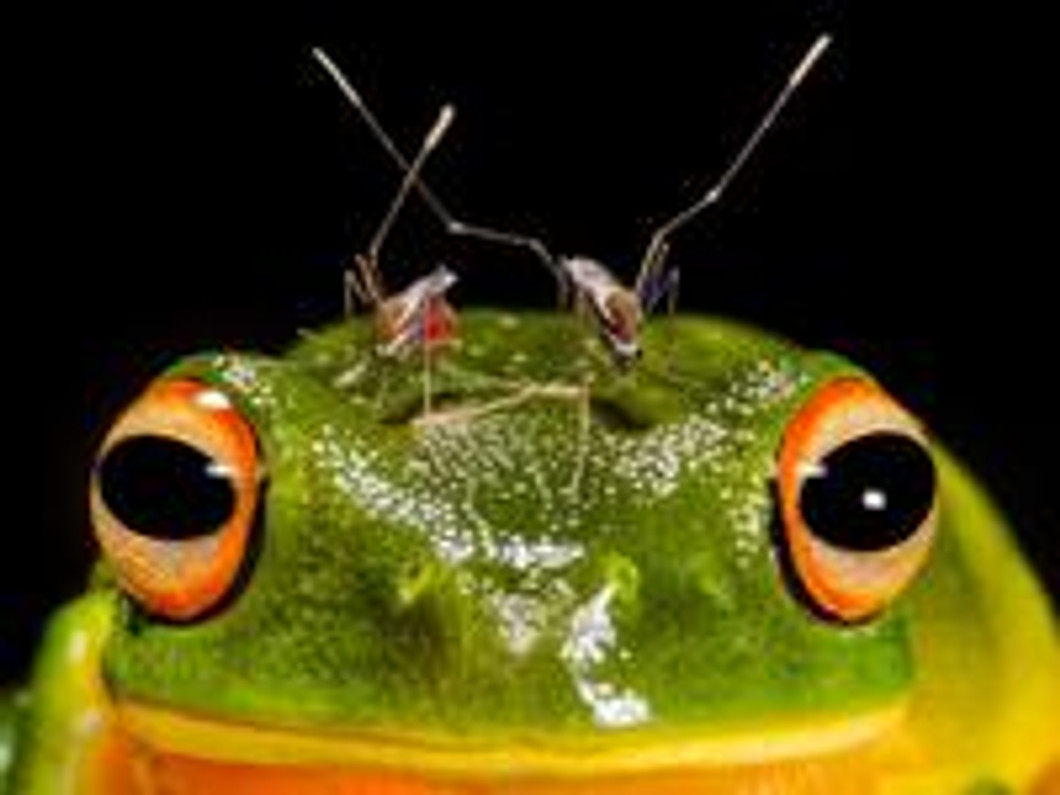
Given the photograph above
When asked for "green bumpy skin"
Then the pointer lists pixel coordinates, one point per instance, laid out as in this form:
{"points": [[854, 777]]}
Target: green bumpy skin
{"points": [[526, 562]]}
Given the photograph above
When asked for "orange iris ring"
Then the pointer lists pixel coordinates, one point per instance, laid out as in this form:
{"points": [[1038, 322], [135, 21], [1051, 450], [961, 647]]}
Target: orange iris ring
{"points": [[182, 579], [849, 585]]}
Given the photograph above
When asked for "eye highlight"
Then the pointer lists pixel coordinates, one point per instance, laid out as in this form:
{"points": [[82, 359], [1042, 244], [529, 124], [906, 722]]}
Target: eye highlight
{"points": [[858, 498], [174, 493]]}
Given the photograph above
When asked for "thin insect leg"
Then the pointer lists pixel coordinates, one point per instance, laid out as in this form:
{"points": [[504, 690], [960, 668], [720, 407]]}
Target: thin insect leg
{"points": [[382, 136], [664, 286], [582, 309], [373, 124], [670, 290], [656, 251], [584, 429], [427, 378], [450, 222], [430, 142], [521, 395], [456, 227], [654, 260], [367, 283], [354, 291], [462, 229], [673, 287]]}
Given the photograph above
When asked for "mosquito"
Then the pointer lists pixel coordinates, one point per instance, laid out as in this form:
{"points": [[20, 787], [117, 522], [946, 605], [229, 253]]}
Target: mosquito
{"points": [[619, 311], [417, 317]]}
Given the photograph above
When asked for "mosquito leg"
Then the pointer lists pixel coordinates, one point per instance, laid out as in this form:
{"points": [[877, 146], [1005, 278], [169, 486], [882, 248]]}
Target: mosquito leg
{"points": [[450, 222], [581, 451], [655, 255], [428, 379], [354, 292]]}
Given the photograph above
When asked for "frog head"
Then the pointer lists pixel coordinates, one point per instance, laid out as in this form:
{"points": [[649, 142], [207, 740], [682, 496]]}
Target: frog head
{"points": [[514, 556]]}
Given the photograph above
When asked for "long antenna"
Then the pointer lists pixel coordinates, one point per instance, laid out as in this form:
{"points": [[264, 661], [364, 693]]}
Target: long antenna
{"points": [[452, 224], [655, 255]]}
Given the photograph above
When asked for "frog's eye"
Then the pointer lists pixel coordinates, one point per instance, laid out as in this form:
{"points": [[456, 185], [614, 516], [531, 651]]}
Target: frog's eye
{"points": [[174, 494], [857, 498]]}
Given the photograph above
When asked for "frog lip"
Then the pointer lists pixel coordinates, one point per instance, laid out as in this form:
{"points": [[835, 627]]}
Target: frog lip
{"points": [[198, 736]]}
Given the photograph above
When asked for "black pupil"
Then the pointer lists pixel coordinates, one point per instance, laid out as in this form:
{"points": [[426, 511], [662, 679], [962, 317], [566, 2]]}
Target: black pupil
{"points": [[165, 488], [871, 493]]}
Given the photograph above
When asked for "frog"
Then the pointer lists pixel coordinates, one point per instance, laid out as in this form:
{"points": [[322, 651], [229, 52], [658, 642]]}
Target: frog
{"points": [[564, 578], [498, 559]]}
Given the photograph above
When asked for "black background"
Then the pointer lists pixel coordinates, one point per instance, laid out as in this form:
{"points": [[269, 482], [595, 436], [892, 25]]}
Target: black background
{"points": [[189, 180]]}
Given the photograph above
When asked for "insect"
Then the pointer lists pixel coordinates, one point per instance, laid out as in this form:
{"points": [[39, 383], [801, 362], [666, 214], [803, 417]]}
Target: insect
{"points": [[418, 316], [618, 311]]}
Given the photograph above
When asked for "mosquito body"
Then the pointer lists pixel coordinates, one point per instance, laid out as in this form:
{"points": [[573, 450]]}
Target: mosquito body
{"points": [[618, 311], [418, 317]]}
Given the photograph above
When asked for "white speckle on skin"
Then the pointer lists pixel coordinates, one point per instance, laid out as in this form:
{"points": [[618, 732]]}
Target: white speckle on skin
{"points": [[767, 383], [591, 633], [238, 372], [525, 554], [521, 619], [357, 471], [484, 490], [465, 517], [654, 465], [613, 710], [591, 641]]}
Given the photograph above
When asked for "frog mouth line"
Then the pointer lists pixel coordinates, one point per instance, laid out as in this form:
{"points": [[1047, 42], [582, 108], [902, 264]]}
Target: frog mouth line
{"points": [[195, 736]]}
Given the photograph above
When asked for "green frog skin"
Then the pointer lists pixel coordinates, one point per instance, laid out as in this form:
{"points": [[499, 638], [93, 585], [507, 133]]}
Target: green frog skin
{"points": [[738, 566]]}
